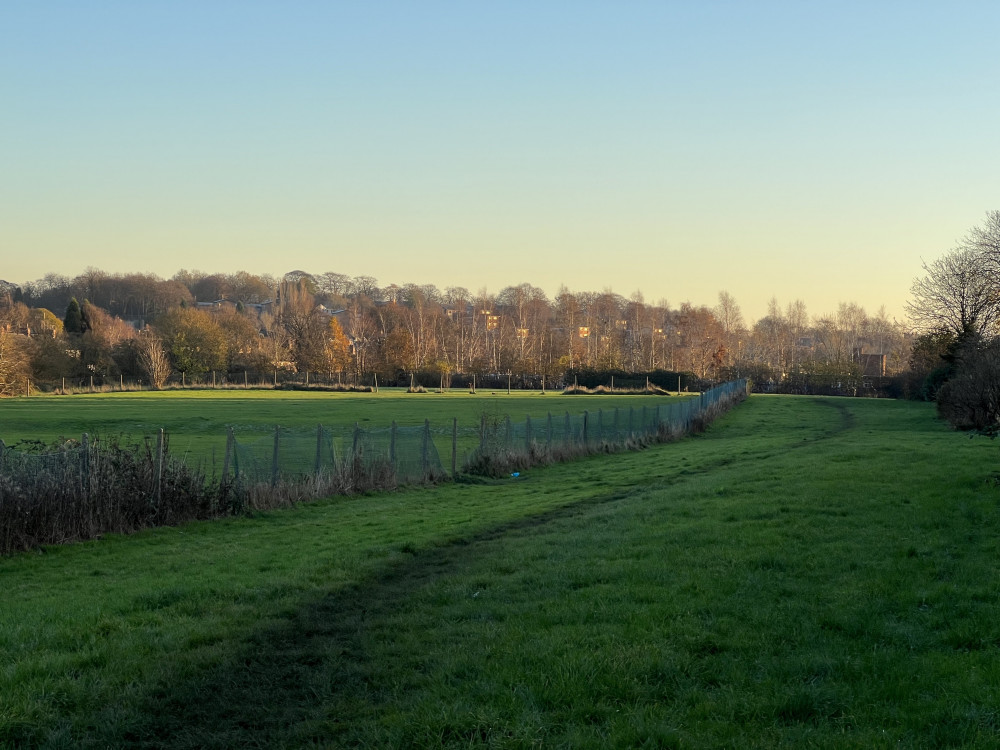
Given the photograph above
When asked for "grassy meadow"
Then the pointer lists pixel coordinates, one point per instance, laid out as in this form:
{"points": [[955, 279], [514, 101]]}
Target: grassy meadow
{"points": [[809, 572]]}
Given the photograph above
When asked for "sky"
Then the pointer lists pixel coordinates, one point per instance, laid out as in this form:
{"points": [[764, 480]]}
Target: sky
{"points": [[797, 150]]}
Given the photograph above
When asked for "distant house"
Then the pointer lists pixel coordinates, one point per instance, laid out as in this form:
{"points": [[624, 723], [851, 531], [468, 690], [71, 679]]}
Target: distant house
{"points": [[219, 304], [872, 365], [257, 308]]}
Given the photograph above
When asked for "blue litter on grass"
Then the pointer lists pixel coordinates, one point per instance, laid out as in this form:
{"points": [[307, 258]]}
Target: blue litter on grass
{"points": [[516, 474]]}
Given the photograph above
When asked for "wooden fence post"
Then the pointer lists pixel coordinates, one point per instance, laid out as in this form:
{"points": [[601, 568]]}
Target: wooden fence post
{"points": [[274, 456], [392, 444], [85, 465], [230, 444], [158, 485]]}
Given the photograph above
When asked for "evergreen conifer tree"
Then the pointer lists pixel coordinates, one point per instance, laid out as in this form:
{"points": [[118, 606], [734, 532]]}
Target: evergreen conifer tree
{"points": [[73, 321]]}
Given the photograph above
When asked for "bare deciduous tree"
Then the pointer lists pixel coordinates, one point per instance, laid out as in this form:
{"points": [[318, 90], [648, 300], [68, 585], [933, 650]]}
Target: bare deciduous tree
{"points": [[153, 359], [956, 294]]}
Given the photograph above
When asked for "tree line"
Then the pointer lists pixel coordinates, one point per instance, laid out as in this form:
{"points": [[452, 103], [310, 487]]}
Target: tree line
{"points": [[956, 307], [142, 326]]}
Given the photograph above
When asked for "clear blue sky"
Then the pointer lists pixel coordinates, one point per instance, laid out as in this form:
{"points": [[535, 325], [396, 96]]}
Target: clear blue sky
{"points": [[795, 149]]}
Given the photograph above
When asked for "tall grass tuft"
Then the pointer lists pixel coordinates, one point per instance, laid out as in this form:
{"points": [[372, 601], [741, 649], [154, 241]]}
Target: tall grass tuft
{"points": [[78, 490], [81, 489]]}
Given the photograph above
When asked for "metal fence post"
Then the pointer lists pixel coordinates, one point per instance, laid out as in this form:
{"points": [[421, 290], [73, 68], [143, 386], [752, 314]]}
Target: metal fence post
{"points": [[424, 460], [454, 446], [586, 416], [527, 433], [392, 444]]}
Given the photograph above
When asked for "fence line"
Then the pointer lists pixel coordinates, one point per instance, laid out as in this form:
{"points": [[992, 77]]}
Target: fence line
{"points": [[91, 487], [422, 452]]}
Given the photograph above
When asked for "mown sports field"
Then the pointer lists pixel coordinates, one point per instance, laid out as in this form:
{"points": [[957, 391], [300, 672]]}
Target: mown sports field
{"points": [[808, 572]]}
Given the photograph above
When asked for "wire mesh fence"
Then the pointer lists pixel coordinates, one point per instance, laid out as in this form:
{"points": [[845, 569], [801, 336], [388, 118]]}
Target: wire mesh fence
{"points": [[289, 454], [84, 488], [425, 452]]}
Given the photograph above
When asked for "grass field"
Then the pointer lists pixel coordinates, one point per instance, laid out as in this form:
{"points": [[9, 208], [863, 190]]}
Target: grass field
{"points": [[196, 421], [808, 573]]}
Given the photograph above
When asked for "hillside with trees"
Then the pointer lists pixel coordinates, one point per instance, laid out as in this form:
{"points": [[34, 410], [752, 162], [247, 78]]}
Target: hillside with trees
{"points": [[141, 328]]}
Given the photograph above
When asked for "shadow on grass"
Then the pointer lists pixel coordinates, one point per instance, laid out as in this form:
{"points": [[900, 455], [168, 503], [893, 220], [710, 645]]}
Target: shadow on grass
{"points": [[310, 678], [305, 680]]}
